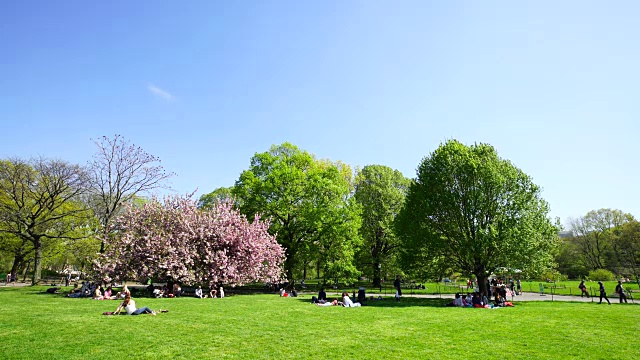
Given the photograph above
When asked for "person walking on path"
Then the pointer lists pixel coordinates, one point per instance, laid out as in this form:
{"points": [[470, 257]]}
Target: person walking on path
{"points": [[583, 289], [396, 284], [603, 293], [620, 290]]}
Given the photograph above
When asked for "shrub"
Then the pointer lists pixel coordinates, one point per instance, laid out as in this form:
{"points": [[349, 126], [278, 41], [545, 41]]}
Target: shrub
{"points": [[601, 275], [552, 275]]}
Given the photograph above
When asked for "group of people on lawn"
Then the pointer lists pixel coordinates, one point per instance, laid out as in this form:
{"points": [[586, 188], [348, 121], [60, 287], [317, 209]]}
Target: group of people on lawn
{"points": [[478, 300], [321, 300]]}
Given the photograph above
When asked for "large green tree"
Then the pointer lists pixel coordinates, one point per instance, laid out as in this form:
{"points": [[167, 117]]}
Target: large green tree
{"points": [[309, 205], [476, 211], [380, 191], [40, 202], [593, 236], [626, 247]]}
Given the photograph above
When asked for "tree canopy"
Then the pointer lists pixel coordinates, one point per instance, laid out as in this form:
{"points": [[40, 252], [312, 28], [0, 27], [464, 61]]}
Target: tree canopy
{"points": [[40, 202], [477, 211], [380, 191], [175, 241], [118, 172], [308, 202]]}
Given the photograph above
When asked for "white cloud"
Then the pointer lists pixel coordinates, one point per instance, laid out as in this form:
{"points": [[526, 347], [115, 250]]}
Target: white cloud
{"points": [[160, 92]]}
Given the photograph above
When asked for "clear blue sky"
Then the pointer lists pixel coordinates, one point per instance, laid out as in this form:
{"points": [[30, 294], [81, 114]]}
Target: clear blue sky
{"points": [[554, 86]]}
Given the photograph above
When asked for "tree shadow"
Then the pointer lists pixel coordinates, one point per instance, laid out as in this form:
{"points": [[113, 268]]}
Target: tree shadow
{"points": [[392, 303]]}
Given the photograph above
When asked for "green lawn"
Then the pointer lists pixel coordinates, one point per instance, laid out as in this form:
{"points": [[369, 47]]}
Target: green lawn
{"points": [[36, 325]]}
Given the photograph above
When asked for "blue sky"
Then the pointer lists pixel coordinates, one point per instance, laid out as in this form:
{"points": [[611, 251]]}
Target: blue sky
{"points": [[205, 85]]}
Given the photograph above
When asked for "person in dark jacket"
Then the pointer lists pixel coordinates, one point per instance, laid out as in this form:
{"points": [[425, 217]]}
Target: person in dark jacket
{"points": [[396, 284], [620, 291], [603, 293], [322, 295]]}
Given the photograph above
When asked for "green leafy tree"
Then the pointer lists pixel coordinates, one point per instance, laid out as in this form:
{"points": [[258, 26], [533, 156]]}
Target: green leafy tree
{"points": [[380, 191], [478, 212], [17, 248], [308, 202], [40, 202], [207, 201], [569, 259], [593, 235], [626, 247]]}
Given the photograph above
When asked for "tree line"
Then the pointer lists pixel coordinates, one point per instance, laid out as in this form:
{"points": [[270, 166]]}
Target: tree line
{"points": [[467, 210]]}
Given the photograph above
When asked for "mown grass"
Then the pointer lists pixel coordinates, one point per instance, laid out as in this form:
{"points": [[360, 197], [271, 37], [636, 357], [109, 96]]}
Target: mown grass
{"points": [[35, 325]]}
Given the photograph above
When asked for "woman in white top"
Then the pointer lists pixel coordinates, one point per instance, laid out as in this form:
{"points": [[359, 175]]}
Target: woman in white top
{"points": [[199, 292], [130, 307], [346, 301]]}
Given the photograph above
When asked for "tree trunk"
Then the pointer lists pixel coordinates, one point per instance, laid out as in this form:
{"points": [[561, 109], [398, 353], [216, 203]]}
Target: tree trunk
{"points": [[288, 267], [17, 261], [482, 283], [304, 272], [376, 275], [26, 271], [37, 262]]}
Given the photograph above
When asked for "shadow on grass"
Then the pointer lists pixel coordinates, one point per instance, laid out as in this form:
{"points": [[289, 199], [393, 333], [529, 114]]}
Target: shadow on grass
{"points": [[390, 302]]}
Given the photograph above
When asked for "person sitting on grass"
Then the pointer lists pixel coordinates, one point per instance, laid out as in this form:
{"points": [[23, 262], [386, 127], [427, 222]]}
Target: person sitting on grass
{"points": [[499, 301], [221, 291], [107, 294], [97, 294], [130, 307], [212, 292], [122, 294], [199, 292], [322, 295], [177, 290], [457, 300], [476, 301], [346, 301]]}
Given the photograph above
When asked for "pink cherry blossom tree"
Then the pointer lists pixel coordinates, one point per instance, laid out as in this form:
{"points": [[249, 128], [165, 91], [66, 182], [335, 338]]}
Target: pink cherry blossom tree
{"points": [[176, 241]]}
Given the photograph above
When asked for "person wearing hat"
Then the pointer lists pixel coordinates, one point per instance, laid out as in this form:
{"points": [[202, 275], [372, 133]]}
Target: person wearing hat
{"points": [[603, 293]]}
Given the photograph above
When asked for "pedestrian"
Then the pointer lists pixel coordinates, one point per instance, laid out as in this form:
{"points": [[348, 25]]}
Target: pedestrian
{"points": [[620, 291], [603, 293], [396, 284], [583, 289], [519, 285]]}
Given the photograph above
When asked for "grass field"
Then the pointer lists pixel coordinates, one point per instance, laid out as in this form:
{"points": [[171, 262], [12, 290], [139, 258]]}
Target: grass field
{"points": [[34, 325]]}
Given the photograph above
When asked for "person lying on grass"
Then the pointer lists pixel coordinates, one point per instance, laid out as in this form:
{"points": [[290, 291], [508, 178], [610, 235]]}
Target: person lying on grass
{"points": [[130, 307], [327, 303], [53, 290]]}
